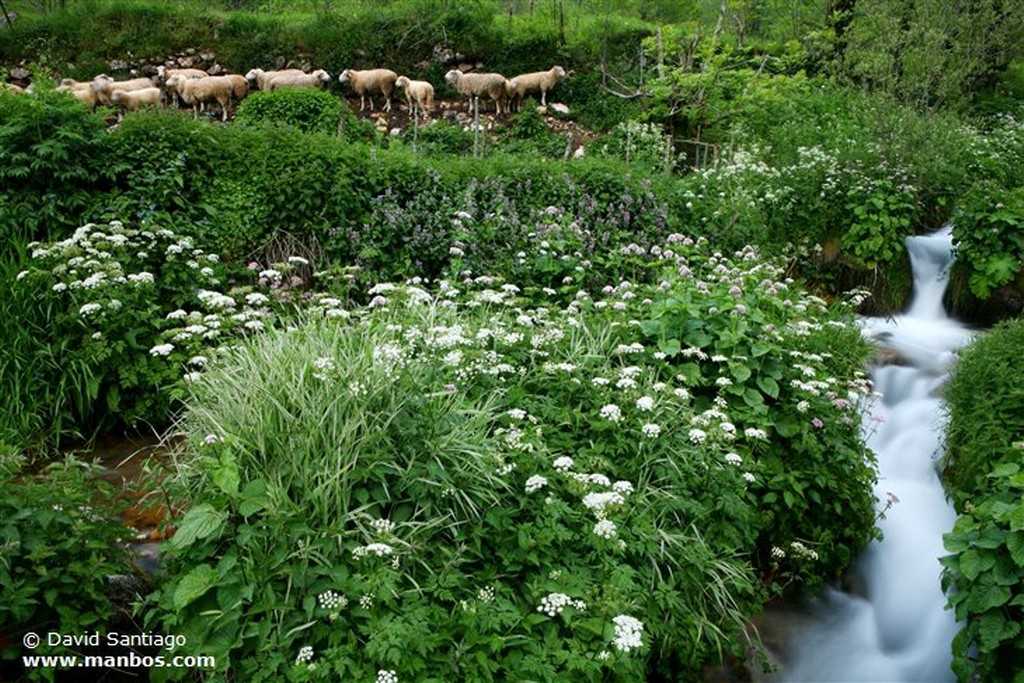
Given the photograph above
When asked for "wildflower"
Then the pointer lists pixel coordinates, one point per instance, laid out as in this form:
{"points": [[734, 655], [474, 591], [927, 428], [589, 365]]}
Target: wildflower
{"points": [[603, 655], [485, 594], [177, 315], [536, 483], [627, 633], [723, 381], [383, 526], [818, 424], [645, 403], [698, 435], [611, 412], [803, 406], [378, 549], [778, 553], [198, 360], [600, 381], [651, 430], [142, 278], [599, 501], [255, 298], [387, 676], [563, 464], [366, 602], [622, 487], [516, 413], [161, 350], [681, 393], [211, 439], [305, 654], [605, 528], [298, 260], [88, 309], [329, 600], [755, 433], [733, 458], [59, 287], [748, 477], [553, 603]]}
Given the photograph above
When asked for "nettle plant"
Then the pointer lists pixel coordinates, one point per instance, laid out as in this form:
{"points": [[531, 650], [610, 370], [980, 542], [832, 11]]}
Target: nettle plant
{"points": [[468, 479], [119, 298]]}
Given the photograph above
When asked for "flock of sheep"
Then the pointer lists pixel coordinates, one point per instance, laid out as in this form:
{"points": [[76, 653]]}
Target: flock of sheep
{"points": [[197, 89]]}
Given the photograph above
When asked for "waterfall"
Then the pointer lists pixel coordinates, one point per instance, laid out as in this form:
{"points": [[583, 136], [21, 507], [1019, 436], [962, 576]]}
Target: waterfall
{"points": [[896, 629]]}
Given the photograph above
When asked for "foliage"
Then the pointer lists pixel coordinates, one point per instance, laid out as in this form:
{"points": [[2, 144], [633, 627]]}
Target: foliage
{"points": [[49, 163], [317, 522], [60, 543], [642, 144], [985, 571], [309, 109], [113, 300], [989, 238]]}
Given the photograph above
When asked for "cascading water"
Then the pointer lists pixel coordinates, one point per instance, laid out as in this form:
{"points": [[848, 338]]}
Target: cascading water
{"points": [[897, 629]]}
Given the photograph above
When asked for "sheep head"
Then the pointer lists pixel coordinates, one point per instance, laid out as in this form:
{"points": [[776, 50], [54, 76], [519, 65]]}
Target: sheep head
{"points": [[402, 82], [322, 76], [253, 75], [452, 76], [559, 72], [345, 76]]}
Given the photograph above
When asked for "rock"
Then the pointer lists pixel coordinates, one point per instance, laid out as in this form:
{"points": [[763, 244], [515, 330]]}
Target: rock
{"points": [[149, 70], [280, 62], [8, 19], [215, 70], [19, 73], [186, 62], [580, 152], [118, 65], [207, 57], [395, 132], [559, 107]]}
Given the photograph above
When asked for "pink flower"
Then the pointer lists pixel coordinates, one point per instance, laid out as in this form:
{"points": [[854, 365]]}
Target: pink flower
{"points": [[817, 423]]}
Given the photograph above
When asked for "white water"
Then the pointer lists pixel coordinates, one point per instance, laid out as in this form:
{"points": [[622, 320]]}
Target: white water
{"points": [[897, 630]]}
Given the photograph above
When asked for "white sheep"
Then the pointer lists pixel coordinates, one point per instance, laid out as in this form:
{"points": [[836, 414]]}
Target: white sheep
{"points": [[418, 94], [133, 100], [240, 87], [527, 84], [163, 74], [199, 91], [474, 85], [317, 79], [103, 85], [369, 81], [261, 79], [82, 91], [11, 88]]}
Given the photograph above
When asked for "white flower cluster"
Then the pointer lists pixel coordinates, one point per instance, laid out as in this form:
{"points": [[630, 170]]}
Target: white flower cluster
{"points": [[161, 350], [599, 502], [627, 633], [305, 654], [383, 526], [331, 600], [387, 676], [563, 464], [651, 430], [485, 594], [605, 529], [378, 549], [553, 603], [536, 483], [611, 412]]}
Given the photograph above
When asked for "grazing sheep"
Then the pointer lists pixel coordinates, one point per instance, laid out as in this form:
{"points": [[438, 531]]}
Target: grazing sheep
{"points": [[133, 100], [369, 81], [240, 87], [527, 84], [474, 85], [11, 88], [198, 91], [261, 78], [164, 74], [418, 94], [103, 85], [317, 79], [82, 91]]}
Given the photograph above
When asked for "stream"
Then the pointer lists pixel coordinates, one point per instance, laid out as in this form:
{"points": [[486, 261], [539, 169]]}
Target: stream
{"points": [[894, 627]]}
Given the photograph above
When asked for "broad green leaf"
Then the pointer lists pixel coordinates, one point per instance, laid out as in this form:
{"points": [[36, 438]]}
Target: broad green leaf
{"points": [[1015, 543], [768, 385], [200, 522], [984, 598], [193, 585]]}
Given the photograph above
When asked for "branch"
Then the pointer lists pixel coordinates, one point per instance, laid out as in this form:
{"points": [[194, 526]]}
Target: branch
{"points": [[622, 86]]}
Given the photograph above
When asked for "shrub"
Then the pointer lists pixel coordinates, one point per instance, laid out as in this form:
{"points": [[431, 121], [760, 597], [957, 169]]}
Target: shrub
{"points": [[984, 574], [309, 109], [989, 238], [407, 458], [60, 546]]}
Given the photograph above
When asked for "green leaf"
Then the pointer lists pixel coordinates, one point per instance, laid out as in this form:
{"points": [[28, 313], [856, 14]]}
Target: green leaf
{"points": [[200, 522], [670, 347], [193, 585], [973, 563], [768, 385], [741, 373], [1015, 517], [1015, 543], [1004, 469], [985, 598]]}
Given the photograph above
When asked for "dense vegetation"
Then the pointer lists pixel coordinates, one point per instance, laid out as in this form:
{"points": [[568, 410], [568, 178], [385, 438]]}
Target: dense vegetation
{"points": [[641, 424]]}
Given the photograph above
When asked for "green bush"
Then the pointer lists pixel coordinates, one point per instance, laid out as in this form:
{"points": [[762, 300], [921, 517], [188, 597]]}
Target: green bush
{"points": [[310, 110], [60, 545], [983, 471], [989, 238], [408, 458]]}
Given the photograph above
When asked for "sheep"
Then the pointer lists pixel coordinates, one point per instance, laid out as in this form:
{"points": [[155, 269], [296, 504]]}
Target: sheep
{"points": [[418, 94], [317, 79], [81, 91], [240, 87], [103, 85], [369, 81], [474, 85], [133, 100], [525, 84], [11, 88], [164, 74], [197, 91], [261, 78]]}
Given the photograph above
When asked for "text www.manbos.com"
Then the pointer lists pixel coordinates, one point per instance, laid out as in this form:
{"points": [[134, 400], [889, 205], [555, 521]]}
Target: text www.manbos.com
{"points": [[130, 660]]}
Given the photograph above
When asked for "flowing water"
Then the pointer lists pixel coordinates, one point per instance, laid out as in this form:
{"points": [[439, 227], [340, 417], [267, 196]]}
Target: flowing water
{"points": [[895, 629]]}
